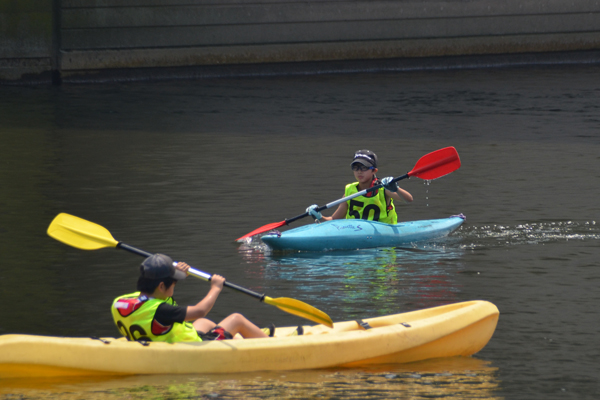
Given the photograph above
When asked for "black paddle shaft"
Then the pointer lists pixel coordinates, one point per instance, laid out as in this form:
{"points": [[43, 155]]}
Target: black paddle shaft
{"points": [[143, 253]]}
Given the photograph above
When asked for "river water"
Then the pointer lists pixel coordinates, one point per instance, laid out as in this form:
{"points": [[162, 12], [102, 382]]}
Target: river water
{"points": [[186, 167]]}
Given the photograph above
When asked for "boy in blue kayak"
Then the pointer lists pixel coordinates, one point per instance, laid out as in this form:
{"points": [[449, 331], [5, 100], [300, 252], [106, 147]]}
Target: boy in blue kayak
{"points": [[151, 314], [374, 206]]}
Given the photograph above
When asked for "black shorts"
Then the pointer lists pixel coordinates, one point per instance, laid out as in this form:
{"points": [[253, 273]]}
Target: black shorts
{"points": [[216, 333]]}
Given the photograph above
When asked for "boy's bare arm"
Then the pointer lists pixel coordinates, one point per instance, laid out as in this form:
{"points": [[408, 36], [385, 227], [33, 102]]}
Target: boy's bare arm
{"points": [[401, 195], [204, 306]]}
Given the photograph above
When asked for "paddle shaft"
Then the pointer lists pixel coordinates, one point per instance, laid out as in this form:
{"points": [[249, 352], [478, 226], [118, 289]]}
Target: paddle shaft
{"points": [[344, 199], [415, 172], [431, 166], [193, 271]]}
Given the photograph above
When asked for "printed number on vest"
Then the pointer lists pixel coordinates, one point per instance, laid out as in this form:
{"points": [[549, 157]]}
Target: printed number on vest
{"points": [[367, 210], [130, 333]]}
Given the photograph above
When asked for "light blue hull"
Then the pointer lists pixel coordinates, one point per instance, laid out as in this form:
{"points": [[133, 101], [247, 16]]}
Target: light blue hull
{"points": [[346, 234]]}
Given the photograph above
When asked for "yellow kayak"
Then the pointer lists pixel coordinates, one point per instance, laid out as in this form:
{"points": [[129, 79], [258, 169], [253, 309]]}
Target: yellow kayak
{"points": [[459, 329]]}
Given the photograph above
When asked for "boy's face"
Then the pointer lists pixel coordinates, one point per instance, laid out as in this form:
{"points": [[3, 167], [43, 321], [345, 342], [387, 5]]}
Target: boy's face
{"points": [[365, 176]]}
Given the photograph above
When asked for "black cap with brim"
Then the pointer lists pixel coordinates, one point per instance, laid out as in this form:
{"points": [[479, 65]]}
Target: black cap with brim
{"points": [[159, 266], [366, 158]]}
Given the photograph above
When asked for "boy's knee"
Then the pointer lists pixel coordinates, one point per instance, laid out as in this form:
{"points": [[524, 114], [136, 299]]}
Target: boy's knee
{"points": [[237, 316]]}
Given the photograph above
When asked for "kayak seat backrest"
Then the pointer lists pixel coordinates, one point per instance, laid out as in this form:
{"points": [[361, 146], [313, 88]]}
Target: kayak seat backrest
{"points": [[363, 324]]}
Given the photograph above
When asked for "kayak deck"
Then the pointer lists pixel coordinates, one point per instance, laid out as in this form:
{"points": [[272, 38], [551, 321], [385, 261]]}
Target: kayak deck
{"points": [[459, 329], [350, 234]]}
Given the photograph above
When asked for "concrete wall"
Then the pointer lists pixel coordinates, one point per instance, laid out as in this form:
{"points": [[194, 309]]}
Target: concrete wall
{"points": [[96, 36], [25, 38]]}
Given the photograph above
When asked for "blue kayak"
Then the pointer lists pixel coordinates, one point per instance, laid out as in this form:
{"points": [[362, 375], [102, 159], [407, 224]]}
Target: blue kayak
{"points": [[350, 234]]}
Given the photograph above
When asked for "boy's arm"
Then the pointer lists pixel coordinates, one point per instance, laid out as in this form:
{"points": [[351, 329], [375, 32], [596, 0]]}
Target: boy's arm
{"points": [[394, 191], [339, 213], [401, 195], [203, 307]]}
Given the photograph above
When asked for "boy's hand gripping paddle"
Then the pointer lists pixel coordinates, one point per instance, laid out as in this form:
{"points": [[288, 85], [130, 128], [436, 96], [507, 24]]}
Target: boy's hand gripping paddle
{"points": [[86, 235], [431, 166]]}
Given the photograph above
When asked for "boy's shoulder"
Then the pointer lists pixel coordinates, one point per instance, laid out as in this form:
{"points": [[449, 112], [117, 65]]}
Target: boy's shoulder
{"points": [[167, 313]]}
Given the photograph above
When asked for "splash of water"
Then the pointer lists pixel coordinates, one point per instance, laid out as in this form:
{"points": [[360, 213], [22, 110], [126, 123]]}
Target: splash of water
{"points": [[527, 233]]}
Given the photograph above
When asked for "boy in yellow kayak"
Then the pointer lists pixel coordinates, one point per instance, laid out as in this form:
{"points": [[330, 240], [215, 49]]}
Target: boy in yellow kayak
{"points": [[374, 206], [151, 313]]}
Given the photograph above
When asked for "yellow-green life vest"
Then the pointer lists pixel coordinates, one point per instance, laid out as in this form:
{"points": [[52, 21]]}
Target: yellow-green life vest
{"points": [[371, 208], [134, 316]]}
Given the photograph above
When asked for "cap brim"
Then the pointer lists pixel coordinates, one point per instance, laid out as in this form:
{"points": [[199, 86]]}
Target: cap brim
{"points": [[360, 161], [179, 275]]}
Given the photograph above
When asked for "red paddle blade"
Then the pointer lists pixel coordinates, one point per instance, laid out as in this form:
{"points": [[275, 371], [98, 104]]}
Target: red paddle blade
{"points": [[262, 229], [436, 164]]}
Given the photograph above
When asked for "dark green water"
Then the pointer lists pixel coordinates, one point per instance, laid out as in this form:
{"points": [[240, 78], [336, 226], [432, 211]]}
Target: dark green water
{"points": [[184, 168]]}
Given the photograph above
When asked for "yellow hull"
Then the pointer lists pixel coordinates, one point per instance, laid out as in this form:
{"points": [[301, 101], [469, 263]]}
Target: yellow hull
{"points": [[459, 329]]}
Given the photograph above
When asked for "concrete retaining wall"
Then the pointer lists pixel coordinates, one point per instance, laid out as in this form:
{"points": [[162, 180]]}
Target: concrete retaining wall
{"points": [[97, 36], [25, 38]]}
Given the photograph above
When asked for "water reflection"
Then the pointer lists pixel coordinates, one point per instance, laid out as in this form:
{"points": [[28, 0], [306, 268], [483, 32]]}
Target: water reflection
{"points": [[356, 283], [185, 168], [453, 378], [387, 281]]}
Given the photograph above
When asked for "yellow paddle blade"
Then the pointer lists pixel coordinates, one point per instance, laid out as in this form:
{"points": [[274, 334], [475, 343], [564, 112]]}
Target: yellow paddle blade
{"points": [[79, 233], [300, 309]]}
